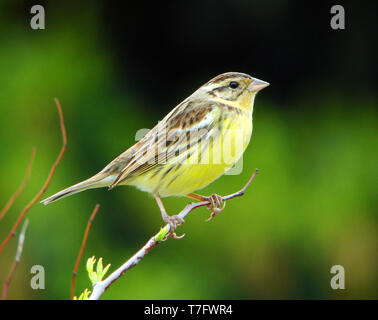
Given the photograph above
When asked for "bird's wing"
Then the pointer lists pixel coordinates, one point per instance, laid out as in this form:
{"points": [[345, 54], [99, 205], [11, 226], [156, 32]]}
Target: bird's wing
{"points": [[184, 126]]}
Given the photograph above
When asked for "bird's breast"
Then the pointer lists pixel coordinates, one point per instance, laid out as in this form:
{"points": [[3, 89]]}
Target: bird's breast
{"points": [[204, 162]]}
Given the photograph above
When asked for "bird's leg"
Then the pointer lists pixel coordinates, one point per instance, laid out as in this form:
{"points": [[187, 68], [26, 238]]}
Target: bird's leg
{"points": [[173, 221], [216, 204]]}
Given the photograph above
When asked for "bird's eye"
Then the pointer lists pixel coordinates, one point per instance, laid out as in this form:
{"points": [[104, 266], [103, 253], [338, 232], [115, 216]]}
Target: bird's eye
{"points": [[234, 84]]}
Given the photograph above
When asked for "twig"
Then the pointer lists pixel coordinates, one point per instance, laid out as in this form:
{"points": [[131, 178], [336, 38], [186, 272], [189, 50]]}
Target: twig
{"points": [[44, 188], [16, 259], [82, 249], [100, 287], [20, 188]]}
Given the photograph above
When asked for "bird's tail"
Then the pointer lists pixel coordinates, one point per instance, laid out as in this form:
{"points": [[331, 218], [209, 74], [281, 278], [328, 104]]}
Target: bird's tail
{"points": [[97, 181]]}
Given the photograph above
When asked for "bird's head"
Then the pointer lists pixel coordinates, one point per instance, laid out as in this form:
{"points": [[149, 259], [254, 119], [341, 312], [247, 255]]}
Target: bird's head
{"points": [[238, 89]]}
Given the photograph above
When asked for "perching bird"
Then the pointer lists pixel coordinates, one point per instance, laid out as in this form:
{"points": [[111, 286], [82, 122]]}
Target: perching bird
{"points": [[197, 142]]}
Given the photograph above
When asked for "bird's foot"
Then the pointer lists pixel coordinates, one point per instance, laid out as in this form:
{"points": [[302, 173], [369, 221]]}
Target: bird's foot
{"points": [[216, 205], [173, 222]]}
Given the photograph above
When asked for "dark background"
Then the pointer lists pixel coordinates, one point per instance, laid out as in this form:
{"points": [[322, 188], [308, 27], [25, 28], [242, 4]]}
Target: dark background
{"points": [[117, 69]]}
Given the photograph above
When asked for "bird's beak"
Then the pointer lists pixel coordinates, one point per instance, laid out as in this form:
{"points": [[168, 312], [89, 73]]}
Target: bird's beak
{"points": [[257, 85]]}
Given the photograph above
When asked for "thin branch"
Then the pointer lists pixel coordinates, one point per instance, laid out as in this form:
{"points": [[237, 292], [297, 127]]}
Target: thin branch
{"points": [[82, 249], [20, 188], [44, 188], [16, 259], [100, 287]]}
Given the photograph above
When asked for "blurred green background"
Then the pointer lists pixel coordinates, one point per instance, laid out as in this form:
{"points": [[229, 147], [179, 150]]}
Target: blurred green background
{"points": [[117, 70]]}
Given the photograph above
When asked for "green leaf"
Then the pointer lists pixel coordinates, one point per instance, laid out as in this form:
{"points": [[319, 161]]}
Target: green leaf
{"points": [[98, 275], [92, 275], [83, 296], [99, 267], [162, 233]]}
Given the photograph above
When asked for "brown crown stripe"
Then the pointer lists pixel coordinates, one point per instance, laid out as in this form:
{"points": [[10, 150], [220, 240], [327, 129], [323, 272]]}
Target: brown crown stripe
{"points": [[225, 76]]}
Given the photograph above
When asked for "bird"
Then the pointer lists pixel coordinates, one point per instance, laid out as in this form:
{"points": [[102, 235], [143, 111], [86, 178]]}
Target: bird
{"points": [[195, 143]]}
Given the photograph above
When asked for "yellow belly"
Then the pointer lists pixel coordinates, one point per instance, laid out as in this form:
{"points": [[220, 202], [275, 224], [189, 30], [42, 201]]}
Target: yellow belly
{"points": [[207, 163]]}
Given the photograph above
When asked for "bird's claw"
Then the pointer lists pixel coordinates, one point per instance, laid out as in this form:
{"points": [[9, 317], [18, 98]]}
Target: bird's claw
{"points": [[216, 205], [173, 222], [175, 236]]}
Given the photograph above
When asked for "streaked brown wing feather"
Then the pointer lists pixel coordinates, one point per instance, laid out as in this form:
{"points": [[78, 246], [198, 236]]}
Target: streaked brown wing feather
{"points": [[161, 144]]}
